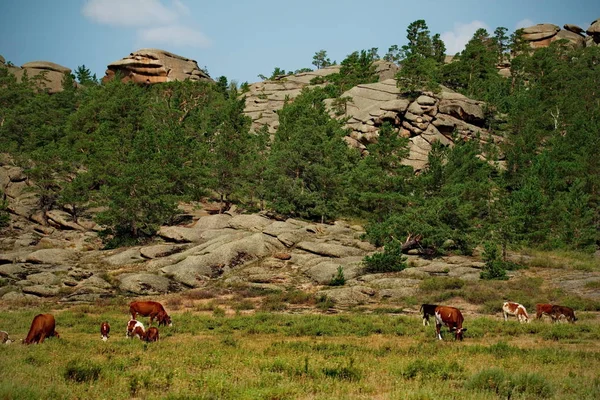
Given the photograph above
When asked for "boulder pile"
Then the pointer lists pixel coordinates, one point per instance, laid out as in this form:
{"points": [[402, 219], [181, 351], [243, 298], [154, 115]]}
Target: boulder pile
{"points": [[148, 66], [541, 35]]}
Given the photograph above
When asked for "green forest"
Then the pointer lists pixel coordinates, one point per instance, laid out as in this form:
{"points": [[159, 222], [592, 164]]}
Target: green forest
{"points": [[131, 153]]}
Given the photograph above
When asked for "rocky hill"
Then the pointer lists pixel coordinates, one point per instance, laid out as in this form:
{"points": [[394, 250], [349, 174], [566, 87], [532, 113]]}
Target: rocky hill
{"points": [[64, 261]]}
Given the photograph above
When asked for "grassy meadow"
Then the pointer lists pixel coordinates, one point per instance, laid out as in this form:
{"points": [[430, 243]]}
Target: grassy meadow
{"points": [[271, 355]]}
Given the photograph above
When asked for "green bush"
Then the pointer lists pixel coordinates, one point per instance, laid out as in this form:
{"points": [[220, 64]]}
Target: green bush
{"points": [[391, 260], [339, 279]]}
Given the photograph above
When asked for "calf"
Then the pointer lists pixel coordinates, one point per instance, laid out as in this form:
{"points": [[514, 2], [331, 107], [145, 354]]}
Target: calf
{"points": [[427, 310], [452, 318], [104, 330], [135, 329], [516, 309], [541, 309], [4, 338], [152, 309], [42, 327], [152, 334], [558, 311]]}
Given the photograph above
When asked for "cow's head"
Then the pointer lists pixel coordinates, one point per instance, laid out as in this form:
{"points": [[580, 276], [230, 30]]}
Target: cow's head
{"points": [[458, 335], [164, 319]]}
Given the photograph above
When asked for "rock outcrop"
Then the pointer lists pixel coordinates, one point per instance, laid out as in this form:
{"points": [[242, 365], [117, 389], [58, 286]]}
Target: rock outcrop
{"points": [[51, 75], [148, 66], [265, 98], [431, 117], [541, 35], [594, 32]]}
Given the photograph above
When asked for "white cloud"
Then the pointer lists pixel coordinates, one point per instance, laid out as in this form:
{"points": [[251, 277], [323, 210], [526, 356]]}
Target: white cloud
{"points": [[155, 22], [524, 23], [456, 39], [129, 12], [174, 35]]}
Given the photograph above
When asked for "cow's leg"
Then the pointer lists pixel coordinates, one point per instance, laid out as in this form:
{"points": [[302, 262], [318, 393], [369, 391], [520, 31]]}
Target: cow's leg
{"points": [[42, 337], [438, 330], [505, 316], [425, 319]]}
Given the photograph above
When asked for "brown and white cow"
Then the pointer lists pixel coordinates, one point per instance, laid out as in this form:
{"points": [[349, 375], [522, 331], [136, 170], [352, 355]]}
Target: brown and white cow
{"points": [[150, 309], [516, 309], [104, 330], [541, 309], [452, 318], [152, 334], [42, 327], [567, 312], [428, 310], [135, 329]]}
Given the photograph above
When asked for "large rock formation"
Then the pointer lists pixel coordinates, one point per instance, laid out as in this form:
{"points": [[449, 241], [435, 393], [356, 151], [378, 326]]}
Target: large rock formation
{"points": [[431, 117], [594, 32], [52, 74], [147, 66], [541, 35], [265, 98]]}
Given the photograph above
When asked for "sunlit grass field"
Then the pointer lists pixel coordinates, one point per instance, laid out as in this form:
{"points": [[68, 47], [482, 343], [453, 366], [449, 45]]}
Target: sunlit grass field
{"points": [[264, 355]]}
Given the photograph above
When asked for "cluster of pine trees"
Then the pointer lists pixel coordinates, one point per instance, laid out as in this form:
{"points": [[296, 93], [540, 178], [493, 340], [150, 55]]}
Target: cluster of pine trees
{"points": [[132, 152]]}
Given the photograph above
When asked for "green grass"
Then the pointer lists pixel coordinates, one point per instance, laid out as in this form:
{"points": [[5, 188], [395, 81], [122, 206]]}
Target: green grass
{"points": [[281, 356]]}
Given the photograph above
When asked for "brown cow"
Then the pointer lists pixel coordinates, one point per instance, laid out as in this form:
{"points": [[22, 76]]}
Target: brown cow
{"points": [[541, 309], [452, 318], [152, 334], [152, 309], [104, 330], [558, 311], [135, 329], [516, 309], [42, 327]]}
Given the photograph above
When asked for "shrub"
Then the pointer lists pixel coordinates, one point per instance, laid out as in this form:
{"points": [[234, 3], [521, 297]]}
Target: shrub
{"points": [[441, 283], [391, 260], [339, 279]]}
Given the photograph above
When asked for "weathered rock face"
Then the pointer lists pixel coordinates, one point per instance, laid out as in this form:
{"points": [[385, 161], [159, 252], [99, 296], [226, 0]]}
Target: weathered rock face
{"points": [[541, 35], [53, 74], [594, 31], [265, 98], [148, 66], [431, 117]]}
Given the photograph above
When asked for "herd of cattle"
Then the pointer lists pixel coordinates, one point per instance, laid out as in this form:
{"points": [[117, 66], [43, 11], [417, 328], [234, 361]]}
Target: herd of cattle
{"points": [[453, 318], [43, 325]]}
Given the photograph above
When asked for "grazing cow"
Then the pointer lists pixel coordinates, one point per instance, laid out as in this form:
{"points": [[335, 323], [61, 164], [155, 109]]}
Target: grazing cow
{"points": [[42, 327], [4, 338], [558, 311], [516, 309], [152, 309], [452, 318], [541, 309], [104, 330], [152, 334], [427, 310], [135, 329]]}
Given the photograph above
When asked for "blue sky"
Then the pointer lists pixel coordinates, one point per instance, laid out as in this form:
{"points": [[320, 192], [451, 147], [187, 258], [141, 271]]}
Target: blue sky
{"points": [[243, 38]]}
